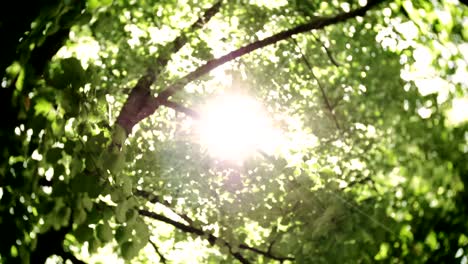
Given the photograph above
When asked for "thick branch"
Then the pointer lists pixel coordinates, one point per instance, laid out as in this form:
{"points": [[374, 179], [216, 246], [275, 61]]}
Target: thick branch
{"points": [[181, 108], [317, 23], [140, 103], [151, 104]]}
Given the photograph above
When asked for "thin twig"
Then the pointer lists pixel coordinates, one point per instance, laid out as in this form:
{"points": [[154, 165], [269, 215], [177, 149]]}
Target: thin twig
{"points": [[161, 256], [357, 209], [190, 229], [327, 50], [147, 106], [211, 238], [156, 199], [182, 39], [337, 102], [322, 89], [316, 23]]}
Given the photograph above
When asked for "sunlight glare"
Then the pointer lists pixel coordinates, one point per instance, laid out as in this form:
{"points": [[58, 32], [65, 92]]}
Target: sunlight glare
{"points": [[457, 115], [234, 127]]}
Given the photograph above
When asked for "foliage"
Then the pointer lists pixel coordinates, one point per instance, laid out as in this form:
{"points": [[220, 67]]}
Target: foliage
{"points": [[99, 149]]}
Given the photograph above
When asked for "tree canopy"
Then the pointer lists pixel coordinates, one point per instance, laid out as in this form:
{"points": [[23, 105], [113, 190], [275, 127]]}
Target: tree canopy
{"points": [[248, 131]]}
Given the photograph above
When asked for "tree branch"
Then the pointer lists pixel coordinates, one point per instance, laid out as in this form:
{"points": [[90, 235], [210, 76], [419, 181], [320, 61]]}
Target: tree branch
{"points": [[267, 254], [156, 199], [182, 39], [180, 108], [161, 256], [327, 51], [189, 229], [150, 104], [150, 197], [322, 89], [178, 225], [317, 23], [211, 238], [140, 103]]}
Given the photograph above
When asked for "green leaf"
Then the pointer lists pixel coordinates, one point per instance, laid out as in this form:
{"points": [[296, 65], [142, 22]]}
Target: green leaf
{"points": [[44, 108], [59, 169], [129, 250], [84, 19], [94, 245], [86, 183], [76, 166], [79, 216], [64, 215], [123, 234], [94, 216], [107, 213], [127, 185], [142, 231], [104, 233], [86, 202], [131, 216], [121, 212], [119, 136], [73, 72], [94, 4], [114, 162], [53, 155], [117, 195], [83, 233]]}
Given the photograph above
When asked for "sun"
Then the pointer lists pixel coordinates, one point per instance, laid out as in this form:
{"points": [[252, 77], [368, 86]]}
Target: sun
{"points": [[232, 127]]}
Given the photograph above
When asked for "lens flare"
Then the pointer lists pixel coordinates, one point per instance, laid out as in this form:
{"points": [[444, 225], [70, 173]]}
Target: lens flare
{"points": [[233, 127]]}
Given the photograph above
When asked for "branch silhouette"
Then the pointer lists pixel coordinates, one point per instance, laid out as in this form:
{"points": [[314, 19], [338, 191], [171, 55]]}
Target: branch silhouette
{"points": [[198, 231], [140, 102], [147, 104]]}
